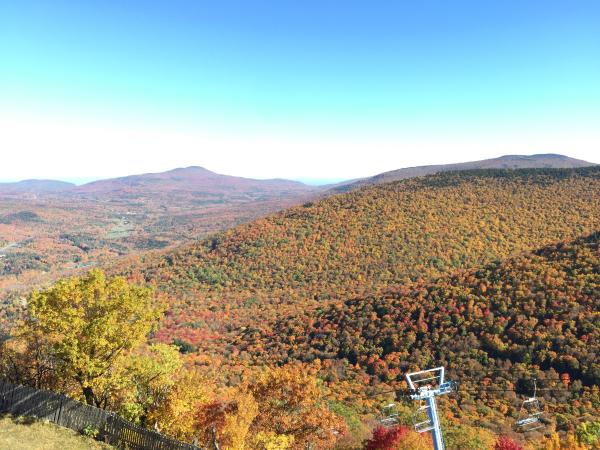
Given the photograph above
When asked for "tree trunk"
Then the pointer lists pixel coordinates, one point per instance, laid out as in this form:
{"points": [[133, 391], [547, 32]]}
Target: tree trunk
{"points": [[215, 441], [89, 395]]}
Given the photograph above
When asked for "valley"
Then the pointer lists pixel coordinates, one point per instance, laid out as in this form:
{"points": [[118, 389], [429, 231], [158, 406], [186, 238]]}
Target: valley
{"points": [[52, 233]]}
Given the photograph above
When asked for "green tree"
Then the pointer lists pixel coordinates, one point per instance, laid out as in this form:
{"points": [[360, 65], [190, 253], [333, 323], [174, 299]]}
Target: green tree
{"points": [[589, 433]]}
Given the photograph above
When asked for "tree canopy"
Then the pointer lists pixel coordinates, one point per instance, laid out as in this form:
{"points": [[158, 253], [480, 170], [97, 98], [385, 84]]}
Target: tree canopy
{"points": [[79, 330]]}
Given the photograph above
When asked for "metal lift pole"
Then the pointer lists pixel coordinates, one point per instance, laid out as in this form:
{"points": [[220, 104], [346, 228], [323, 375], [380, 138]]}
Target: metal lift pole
{"points": [[426, 385], [436, 431]]}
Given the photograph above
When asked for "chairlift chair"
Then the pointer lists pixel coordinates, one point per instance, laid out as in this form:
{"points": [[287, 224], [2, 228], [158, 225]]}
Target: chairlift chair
{"points": [[530, 413], [390, 415], [425, 385], [422, 419]]}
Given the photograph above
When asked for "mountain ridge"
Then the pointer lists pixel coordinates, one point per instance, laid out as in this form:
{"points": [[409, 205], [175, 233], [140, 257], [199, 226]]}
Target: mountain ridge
{"points": [[33, 186], [535, 161], [201, 178], [496, 328], [190, 178]]}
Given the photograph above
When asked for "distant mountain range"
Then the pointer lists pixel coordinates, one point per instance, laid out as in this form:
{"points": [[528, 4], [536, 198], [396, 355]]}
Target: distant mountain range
{"points": [[549, 160], [35, 186], [190, 179], [50, 228], [199, 179]]}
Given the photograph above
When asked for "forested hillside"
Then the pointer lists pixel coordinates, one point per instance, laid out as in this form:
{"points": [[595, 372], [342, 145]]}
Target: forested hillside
{"points": [[543, 161], [494, 328], [540, 308], [362, 242]]}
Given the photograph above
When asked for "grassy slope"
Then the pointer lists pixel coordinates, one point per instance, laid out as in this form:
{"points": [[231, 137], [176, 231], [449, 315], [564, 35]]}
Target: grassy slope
{"points": [[24, 434]]}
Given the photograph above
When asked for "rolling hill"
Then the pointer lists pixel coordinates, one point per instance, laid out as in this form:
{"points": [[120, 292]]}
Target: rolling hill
{"points": [[502, 305], [546, 161], [362, 242]]}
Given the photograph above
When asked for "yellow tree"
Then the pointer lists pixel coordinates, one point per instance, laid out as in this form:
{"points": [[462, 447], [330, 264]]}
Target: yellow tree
{"points": [[291, 403], [568, 442], [236, 424], [85, 325], [277, 408], [176, 414], [148, 377], [225, 423], [268, 440]]}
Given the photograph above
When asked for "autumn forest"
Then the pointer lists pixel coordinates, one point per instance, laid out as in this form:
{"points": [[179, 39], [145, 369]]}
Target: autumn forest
{"points": [[291, 322]]}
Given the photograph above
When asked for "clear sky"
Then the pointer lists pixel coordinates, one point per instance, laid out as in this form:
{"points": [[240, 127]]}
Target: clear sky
{"points": [[299, 89]]}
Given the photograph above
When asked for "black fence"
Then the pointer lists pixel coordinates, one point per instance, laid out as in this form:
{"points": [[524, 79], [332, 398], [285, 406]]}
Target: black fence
{"points": [[26, 401]]}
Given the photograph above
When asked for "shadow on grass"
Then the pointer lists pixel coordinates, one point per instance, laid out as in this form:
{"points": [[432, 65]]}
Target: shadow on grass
{"points": [[19, 420]]}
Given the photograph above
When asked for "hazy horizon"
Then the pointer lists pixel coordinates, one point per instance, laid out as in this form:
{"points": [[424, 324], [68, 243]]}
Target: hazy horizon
{"points": [[306, 180], [82, 181]]}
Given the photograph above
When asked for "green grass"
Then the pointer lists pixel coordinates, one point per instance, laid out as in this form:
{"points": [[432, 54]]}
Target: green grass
{"points": [[29, 434], [120, 230]]}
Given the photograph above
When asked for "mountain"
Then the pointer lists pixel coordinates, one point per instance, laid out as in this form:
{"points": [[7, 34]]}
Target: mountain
{"points": [[502, 304], [360, 243], [35, 187], [548, 161], [191, 179]]}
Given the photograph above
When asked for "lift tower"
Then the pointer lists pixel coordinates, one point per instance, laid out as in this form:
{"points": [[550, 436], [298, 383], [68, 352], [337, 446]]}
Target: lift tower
{"points": [[425, 386]]}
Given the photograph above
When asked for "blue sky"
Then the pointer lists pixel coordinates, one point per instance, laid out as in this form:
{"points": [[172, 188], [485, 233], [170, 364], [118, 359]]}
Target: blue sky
{"points": [[310, 89]]}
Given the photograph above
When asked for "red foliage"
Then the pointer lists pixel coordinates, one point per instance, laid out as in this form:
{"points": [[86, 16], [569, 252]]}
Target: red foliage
{"points": [[505, 443], [386, 438], [212, 415]]}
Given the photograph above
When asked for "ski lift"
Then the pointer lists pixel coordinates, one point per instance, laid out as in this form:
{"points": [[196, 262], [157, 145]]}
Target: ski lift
{"points": [[422, 419], [530, 413], [390, 415]]}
